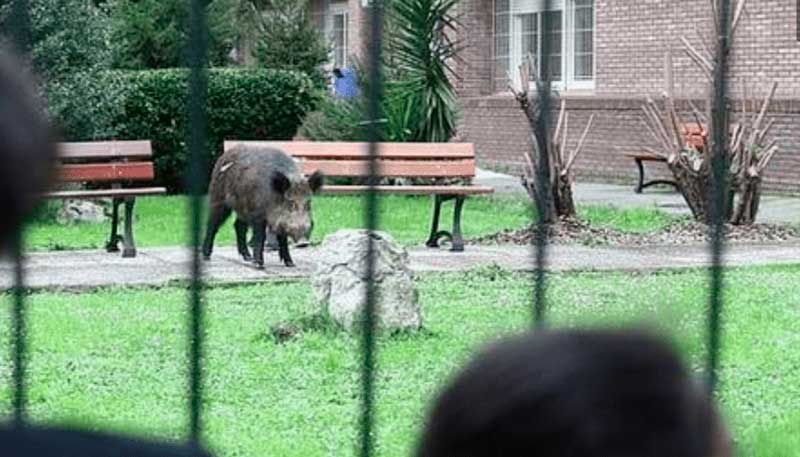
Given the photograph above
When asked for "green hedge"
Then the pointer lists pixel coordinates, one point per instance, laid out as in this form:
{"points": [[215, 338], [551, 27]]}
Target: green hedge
{"points": [[242, 104]]}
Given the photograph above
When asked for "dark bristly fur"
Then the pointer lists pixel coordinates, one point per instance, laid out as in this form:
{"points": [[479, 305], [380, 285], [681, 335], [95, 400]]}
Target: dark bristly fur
{"points": [[267, 191]]}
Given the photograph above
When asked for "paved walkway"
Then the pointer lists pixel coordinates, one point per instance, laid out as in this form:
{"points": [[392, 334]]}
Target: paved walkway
{"points": [[774, 209], [161, 266]]}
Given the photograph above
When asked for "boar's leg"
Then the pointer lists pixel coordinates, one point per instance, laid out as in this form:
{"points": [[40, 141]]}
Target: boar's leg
{"points": [[217, 215], [272, 241], [283, 250], [260, 231], [241, 239]]}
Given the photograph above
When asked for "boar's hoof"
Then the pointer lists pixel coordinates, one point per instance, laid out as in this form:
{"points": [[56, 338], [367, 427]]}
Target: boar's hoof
{"points": [[259, 265], [206, 257], [289, 263], [246, 256]]}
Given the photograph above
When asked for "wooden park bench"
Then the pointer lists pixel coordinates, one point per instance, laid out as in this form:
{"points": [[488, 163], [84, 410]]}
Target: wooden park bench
{"points": [[109, 169], [695, 136], [396, 160]]}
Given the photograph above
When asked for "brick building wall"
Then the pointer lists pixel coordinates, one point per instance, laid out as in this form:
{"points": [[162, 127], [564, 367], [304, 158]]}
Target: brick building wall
{"points": [[630, 41]]}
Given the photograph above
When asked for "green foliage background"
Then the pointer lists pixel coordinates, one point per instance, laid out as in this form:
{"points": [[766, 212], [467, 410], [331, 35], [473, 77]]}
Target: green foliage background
{"points": [[241, 104]]}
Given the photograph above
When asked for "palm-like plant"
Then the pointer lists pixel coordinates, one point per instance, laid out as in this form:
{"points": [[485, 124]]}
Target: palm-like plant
{"points": [[420, 91]]}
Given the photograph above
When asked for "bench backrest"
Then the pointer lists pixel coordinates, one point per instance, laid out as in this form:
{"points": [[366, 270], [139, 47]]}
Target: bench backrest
{"points": [[396, 160], [106, 161]]}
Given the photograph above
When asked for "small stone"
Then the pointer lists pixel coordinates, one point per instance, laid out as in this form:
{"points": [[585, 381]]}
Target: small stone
{"points": [[74, 211], [283, 332], [340, 281]]}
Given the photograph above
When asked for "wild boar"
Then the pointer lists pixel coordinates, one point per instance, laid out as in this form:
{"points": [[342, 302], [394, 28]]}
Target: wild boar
{"points": [[267, 191]]}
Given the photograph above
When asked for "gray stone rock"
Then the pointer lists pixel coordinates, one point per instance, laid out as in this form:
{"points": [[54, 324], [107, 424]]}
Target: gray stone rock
{"points": [[85, 211], [340, 281]]}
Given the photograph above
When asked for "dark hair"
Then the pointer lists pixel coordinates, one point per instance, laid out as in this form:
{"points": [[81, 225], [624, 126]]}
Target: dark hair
{"points": [[26, 146], [57, 442], [572, 393]]}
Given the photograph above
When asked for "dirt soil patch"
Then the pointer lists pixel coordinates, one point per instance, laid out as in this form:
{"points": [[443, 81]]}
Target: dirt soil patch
{"points": [[679, 233]]}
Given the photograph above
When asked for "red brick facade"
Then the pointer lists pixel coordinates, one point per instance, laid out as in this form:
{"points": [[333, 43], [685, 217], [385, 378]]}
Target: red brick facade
{"points": [[630, 39]]}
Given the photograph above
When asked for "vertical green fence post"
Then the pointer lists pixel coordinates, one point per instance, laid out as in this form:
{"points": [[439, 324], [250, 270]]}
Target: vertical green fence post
{"points": [[374, 94], [196, 174], [543, 177], [719, 183], [20, 35]]}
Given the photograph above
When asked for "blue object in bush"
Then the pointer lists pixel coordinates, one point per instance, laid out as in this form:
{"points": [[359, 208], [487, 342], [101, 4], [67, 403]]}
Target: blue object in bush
{"points": [[345, 85]]}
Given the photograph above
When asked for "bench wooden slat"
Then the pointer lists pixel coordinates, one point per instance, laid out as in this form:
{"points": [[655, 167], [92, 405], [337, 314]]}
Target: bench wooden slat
{"points": [[106, 193], [645, 156], [337, 150], [411, 190], [392, 168], [107, 172], [105, 150]]}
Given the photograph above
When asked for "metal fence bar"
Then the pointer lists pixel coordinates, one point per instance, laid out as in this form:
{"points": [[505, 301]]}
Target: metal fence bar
{"points": [[19, 346], [20, 23], [543, 178], [719, 178], [374, 94], [196, 172]]}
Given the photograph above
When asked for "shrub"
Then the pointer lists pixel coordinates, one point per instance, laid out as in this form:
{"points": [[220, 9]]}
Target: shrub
{"points": [[88, 105], [151, 34], [151, 104], [289, 40], [334, 120], [65, 36]]}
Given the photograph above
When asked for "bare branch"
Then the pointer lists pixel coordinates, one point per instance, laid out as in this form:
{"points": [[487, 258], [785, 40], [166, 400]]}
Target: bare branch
{"points": [[699, 59], [703, 41], [739, 10], [765, 106], [699, 117], [766, 157], [765, 131], [657, 126], [578, 148], [561, 113]]}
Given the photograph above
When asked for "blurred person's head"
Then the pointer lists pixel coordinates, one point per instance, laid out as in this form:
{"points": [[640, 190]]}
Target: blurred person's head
{"points": [[575, 393], [26, 146]]}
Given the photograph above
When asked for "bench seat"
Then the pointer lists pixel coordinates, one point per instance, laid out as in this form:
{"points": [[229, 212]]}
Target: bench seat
{"points": [[116, 165], [434, 161]]}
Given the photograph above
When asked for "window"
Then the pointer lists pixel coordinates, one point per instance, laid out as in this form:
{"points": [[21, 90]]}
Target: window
{"points": [[340, 40], [568, 28], [338, 31]]}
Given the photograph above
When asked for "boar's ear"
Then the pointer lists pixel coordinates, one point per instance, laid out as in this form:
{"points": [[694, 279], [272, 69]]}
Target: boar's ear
{"points": [[280, 183], [315, 181]]}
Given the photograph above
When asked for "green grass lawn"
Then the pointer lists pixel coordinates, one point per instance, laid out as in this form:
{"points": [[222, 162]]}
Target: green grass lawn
{"points": [[163, 221], [117, 358]]}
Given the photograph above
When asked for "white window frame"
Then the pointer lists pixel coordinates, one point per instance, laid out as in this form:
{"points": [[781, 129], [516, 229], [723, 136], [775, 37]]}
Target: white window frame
{"points": [[567, 7], [339, 9]]}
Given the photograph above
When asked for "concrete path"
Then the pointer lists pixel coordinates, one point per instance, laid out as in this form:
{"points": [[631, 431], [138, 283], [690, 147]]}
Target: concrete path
{"points": [[774, 209], [161, 266]]}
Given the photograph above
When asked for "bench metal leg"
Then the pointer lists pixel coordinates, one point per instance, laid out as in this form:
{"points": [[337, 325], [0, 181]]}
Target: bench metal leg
{"points": [[433, 238], [128, 243], [455, 237], [640, 186], [114, 238], [458, 240], [656, 182], [644, 185]]}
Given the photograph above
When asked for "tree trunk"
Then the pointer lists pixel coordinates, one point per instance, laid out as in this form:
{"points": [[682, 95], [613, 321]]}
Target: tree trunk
{"points": [[748, 201]]}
